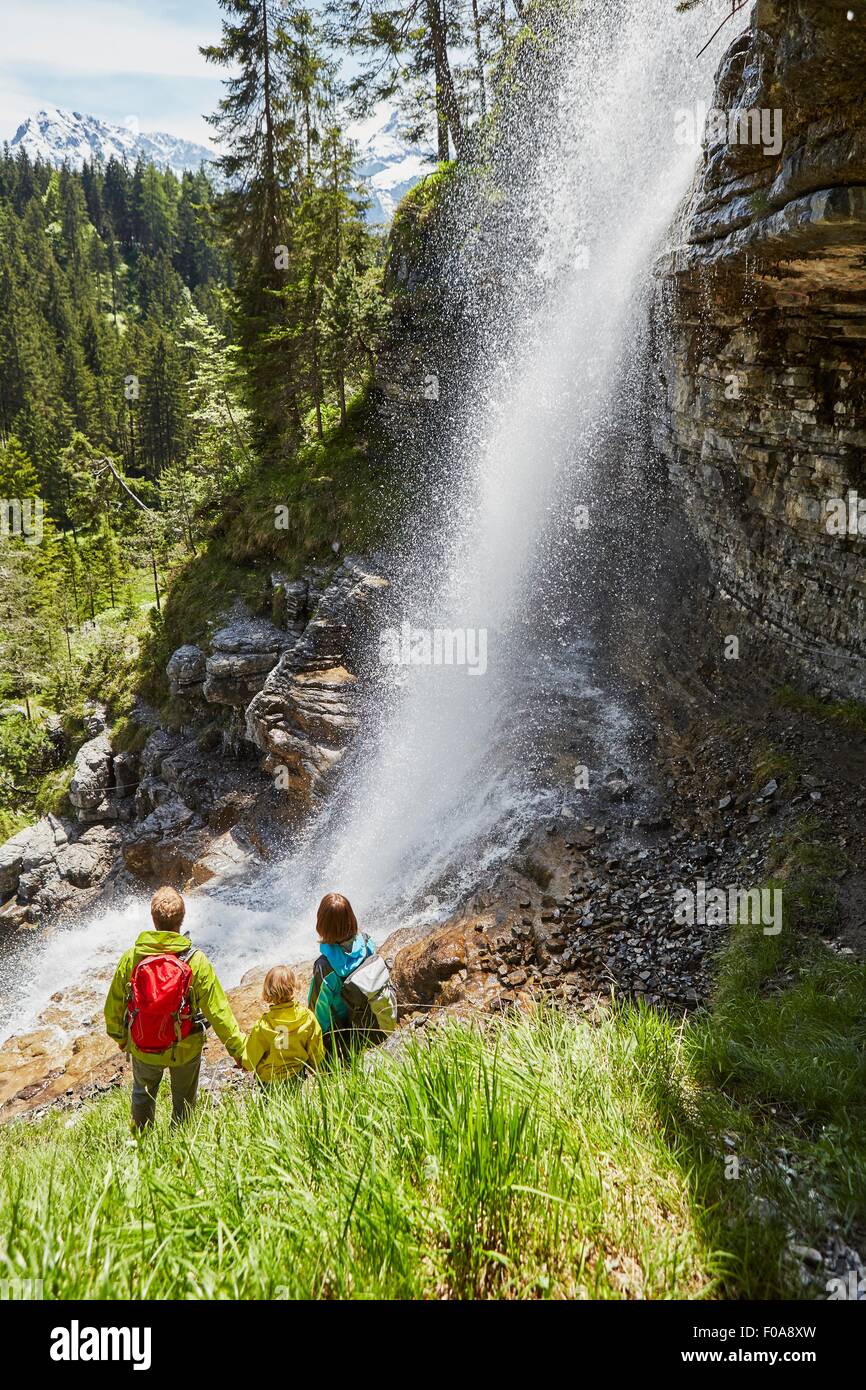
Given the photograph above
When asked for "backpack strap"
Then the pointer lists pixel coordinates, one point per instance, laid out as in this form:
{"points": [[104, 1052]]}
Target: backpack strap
{"points": [[322, 968]]}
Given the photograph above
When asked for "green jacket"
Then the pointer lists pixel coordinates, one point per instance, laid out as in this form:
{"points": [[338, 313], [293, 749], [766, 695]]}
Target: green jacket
{"points": [[286, 1041], [207, 994]]}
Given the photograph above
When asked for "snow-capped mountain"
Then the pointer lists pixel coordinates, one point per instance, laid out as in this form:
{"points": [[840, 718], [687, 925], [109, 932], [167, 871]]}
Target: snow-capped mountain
{"points": [[55, 135], [388, 166]]}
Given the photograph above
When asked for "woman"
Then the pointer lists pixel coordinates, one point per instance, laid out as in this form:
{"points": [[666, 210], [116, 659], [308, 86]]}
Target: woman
{"points": [[344, 948]]}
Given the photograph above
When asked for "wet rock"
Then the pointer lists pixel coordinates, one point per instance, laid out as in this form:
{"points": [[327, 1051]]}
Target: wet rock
{"points": [[158, 745], [302, 721], [786, 226], [617, 785], [167, 844], [227, 856], [340, 627]]}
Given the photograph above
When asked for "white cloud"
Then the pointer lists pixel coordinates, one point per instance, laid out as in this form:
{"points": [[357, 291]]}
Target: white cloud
{"points": [[111, 58], [102, 37]]}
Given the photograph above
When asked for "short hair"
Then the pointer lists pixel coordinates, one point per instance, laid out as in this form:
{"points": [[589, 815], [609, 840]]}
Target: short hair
{"points": [[167, 908], [279, 985], [335, 920]]}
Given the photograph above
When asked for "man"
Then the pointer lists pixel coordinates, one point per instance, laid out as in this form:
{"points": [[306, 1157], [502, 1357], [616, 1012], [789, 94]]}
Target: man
{"points": [[163, 993]]}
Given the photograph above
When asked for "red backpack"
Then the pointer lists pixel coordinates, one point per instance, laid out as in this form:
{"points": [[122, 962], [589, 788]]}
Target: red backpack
{"points": [[159, 1006]]}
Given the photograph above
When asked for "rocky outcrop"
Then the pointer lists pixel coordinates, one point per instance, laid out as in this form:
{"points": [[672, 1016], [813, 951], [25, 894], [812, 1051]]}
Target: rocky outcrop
{"points": [[305, 714], [53, 864], [241, 656], [269, 708], [302, 721], [295, 677], [761, 328], [92, 781], [186, 671]]}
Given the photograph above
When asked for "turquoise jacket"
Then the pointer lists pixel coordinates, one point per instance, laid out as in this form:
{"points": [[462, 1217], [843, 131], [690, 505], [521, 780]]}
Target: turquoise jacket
{"points": [[325, 998]]}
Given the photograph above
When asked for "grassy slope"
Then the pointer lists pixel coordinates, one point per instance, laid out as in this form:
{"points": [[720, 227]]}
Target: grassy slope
{"points": [[528, 1163], [535, 1157]]}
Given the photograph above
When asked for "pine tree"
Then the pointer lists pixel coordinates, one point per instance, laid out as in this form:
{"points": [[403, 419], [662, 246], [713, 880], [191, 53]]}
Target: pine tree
{"points": [[253, 124]]}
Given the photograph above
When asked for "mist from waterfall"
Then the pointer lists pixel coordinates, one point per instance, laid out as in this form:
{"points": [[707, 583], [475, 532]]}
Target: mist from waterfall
{"points": [[442, 781]]}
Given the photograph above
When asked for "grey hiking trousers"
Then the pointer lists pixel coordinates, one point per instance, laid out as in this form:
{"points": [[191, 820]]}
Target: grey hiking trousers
{"points": [[145, 1084]]}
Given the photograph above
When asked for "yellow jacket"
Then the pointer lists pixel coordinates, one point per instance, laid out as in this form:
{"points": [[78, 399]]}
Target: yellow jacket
{"points": [[287, 1040]]}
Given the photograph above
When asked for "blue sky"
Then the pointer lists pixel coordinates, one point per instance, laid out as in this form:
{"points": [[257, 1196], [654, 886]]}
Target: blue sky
{"points": [[112, 58]]}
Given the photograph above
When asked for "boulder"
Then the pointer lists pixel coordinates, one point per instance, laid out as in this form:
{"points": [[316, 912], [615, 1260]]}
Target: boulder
{"points": [[86, 862], [186, 671], [227, 856], [158, 745], [127, 769], [50, 864], [94, 719], [304, 715], [302, 721], [241, 656], [449, 966], [92, 780], [11, 859], [338, 629], [29, 850], [166, 845]]}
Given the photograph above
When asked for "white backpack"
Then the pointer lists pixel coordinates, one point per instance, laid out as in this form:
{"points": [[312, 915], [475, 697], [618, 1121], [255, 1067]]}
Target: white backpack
{"points": [[369, 994]]}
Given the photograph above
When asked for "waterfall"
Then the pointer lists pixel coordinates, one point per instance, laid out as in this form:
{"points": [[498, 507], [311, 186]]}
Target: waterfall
{"points": [[442, 781]]}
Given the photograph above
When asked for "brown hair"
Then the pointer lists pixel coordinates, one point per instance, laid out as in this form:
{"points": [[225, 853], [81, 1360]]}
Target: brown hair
{"points": [[279, 985], [335, 920], [167, 908]]}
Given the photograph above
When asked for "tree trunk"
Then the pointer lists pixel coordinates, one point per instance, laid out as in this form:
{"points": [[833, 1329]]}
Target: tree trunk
{"points": [[272, 217], [479, 59], [317, 385], [155, 580], [447, 109]]}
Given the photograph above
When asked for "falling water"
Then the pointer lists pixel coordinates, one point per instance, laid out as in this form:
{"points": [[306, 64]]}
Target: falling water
{"points": [[443, 780]]}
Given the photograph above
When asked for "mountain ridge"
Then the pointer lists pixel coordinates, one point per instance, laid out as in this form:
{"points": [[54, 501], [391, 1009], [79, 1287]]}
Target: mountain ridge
{"points": [[386, 163]]}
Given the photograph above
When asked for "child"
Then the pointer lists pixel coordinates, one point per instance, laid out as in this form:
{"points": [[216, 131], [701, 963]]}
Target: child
{"points": [[287, 1040], [343, 950]]}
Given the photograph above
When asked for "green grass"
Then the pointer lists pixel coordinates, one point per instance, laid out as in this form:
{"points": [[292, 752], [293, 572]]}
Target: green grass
{"points": [[850, 714], [769, 763], [523, 1162]]}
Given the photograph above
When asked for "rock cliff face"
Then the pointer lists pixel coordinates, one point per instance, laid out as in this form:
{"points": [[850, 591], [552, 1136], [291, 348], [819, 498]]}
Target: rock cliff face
{"points": [[215, 791], [761, 334]]}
